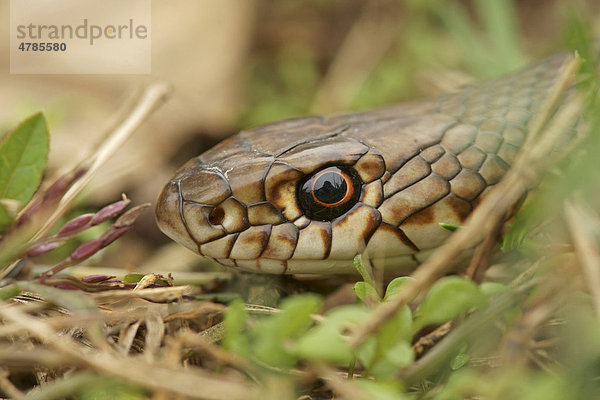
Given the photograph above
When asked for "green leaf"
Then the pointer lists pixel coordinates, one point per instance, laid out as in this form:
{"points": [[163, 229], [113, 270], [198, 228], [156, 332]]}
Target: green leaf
{"points": [[133, 277], [390, 349], [446, 299], [273, 333], [364, 290], [396, 328], [234, 323], [459, 361], [23, 155], [449, 227], [8, 292], [325, 342], [395, 285], [366, 353], [490, 289], [396, 357], [381, 390]]}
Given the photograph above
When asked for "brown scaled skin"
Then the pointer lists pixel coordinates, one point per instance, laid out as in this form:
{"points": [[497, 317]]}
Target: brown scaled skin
{"points": [[420, 164]]}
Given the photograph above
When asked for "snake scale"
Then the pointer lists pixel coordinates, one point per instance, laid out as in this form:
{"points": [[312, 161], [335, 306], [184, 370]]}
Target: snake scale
{"points": [[306, 195]]}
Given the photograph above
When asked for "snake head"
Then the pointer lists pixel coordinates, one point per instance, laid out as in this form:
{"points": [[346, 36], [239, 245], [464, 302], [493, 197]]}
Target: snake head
{"points": [[306, 196]]}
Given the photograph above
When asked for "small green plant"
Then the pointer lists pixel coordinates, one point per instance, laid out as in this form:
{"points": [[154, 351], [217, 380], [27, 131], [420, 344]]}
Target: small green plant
{"points": [[296, 335]]}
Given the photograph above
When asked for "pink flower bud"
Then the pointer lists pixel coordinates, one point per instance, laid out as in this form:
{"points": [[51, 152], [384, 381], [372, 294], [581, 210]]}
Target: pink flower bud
{"points": [[75, 225], [110, 211], [129, 217], [87, 249], [44, 248]]}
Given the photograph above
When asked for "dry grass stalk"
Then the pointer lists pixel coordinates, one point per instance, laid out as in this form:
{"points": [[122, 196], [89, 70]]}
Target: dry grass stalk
{"points": [[166, 294], [150, 99], [151, 375]]}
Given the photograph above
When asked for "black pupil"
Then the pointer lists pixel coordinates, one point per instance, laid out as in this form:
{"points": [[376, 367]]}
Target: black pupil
{"points": [[330, 188], [329, 193]]}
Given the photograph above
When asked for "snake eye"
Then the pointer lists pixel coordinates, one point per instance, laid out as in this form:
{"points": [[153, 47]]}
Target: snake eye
{"points": [[329, 193]]}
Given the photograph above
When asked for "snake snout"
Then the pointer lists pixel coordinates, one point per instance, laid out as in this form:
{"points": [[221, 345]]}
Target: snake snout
{"points": [[168, 215], [187, 209]]}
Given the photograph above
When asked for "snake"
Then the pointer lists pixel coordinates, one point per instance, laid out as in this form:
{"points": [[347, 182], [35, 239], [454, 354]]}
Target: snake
{"points": [[306, 195]]}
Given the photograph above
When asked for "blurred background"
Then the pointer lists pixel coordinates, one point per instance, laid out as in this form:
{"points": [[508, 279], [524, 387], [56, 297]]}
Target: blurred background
{"points": [[234, 64]]}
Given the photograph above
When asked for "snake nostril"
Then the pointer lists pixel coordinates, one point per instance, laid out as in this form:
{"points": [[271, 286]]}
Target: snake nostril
{"points": [[216, 216]]}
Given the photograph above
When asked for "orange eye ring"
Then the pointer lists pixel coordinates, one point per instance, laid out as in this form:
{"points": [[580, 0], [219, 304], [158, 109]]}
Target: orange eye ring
{"points": [[347, 182], [329, 193]]}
